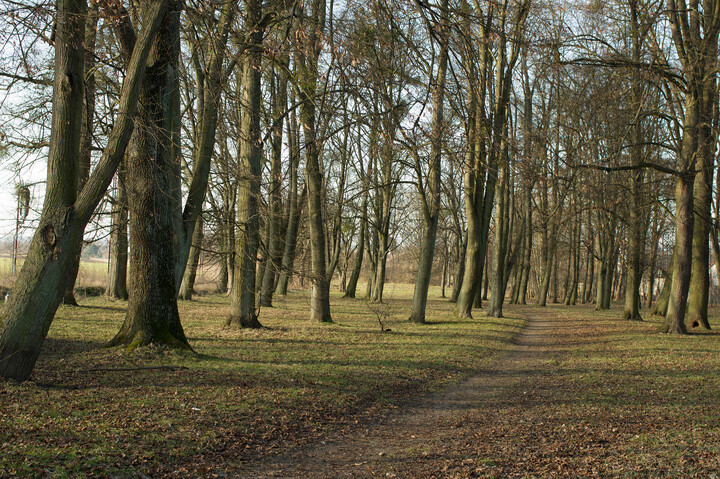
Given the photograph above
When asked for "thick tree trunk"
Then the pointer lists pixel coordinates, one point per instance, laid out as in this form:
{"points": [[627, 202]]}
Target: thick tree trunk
{"points": [[48, 267], [699, 293], [675, 316], [152, 316]]}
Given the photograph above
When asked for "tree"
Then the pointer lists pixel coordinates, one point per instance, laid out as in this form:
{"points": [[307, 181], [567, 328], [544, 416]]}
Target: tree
{"points": [[694, 30], [311, 25], [430, 195], [152, 181], [243, 311], [41, 283]]}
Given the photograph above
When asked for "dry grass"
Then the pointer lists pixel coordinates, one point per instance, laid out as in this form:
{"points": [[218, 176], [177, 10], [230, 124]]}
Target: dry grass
{"points": [[246, 394]]}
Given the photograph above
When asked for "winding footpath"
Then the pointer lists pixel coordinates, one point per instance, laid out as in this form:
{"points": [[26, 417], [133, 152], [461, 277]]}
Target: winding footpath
{"points": [[434, 438]]}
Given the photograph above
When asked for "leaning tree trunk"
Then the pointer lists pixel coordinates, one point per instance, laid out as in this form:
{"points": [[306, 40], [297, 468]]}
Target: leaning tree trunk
{"points": [[39, 287], [86, 134], [203, 152], [152, 315]]}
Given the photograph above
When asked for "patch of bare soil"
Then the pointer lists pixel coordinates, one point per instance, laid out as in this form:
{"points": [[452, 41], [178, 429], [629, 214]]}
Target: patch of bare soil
{"points": [[438, 436]]}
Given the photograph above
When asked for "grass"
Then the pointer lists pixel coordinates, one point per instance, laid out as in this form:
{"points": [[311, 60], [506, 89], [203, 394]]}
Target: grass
{"points": [[613, 399], [247, 393]]}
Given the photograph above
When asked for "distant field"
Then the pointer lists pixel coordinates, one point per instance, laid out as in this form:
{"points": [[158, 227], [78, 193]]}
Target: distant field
{"points": [[92, 272]]}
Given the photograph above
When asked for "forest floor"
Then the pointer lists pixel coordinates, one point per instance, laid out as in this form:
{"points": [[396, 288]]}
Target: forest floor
{"points": [[575, 397], [544, 392]]}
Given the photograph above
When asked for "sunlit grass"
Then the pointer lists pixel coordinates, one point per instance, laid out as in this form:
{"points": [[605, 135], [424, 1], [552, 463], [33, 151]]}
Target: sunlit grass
{"points": [[245, 391]]}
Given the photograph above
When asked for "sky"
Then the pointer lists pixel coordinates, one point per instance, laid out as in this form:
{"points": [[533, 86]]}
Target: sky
{"points": [[8, 200]]}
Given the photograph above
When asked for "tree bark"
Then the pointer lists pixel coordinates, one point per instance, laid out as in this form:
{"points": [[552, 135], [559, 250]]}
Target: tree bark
{"points": [[243, 311], [152, 316], [294, 206], [308, 73], [432, 196], [274, 255], [675, 316], [351, 288], [86, 133], [203, 151]]}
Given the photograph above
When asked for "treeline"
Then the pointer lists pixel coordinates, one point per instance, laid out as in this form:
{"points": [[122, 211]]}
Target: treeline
{"points": [[528, 148]]}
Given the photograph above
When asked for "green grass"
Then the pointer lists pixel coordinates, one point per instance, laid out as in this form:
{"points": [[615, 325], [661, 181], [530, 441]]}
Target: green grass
{"points": [[650, 398], [247, 392]]}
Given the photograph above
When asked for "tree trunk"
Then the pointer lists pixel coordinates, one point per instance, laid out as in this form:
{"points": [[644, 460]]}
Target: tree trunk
{"points": [[243, 311], [39, 287], [187, 288], [152, 316], [699, 294], [351, 288], [459, 275], [294, 206], [497, 296], [274, 255], [675, 316], [117, 276], [432, 196], [205, 146], [86, 134]]}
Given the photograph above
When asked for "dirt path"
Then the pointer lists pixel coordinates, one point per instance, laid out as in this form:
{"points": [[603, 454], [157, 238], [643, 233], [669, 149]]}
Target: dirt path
{"points": [[433, 439]]}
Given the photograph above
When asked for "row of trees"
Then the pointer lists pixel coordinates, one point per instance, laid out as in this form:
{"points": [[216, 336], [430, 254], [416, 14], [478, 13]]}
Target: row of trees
{"points": [[533, 144]]}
